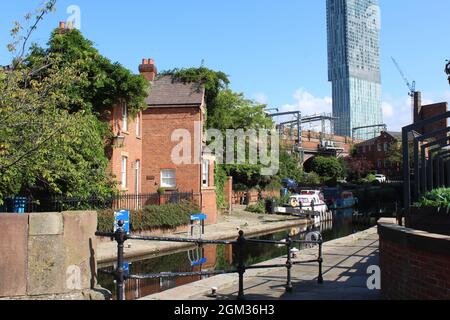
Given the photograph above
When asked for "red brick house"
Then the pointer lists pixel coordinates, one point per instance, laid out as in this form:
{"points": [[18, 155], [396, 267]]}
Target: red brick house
{"points": [[376, 151], [125, 154], [142, 158], [423, 112]]}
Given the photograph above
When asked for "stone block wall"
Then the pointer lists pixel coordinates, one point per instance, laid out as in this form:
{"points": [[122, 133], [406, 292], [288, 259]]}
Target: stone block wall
{"points": [[48, 256], [415, 265]]}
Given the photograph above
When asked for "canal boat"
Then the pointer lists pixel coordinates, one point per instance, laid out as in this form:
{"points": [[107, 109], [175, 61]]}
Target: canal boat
{"points": [[309, 200], [346, 201]]}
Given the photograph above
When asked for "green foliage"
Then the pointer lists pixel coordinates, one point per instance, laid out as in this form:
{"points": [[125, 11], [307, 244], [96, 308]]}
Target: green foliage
{"points": [[220, 177], [46, 149], [105, 83], [310, 179], [228, 110], [290, 167], [213, 82], [439, 198], [51, 138], [167, 216], [329, 167], [233, 111], [259, 207]]}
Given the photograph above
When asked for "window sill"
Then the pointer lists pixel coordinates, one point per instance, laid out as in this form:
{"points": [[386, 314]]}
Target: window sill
{"points": [[125, 132]]}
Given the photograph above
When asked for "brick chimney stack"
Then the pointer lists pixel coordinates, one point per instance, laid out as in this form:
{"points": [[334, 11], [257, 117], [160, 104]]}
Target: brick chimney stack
{"points": [[148, 69]]}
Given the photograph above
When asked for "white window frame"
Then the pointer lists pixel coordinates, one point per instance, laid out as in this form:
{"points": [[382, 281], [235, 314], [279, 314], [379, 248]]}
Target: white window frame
{"points": [[125, 117], [137, 179], [168, 174], [138, 125], [124, 172], [205, 173]]}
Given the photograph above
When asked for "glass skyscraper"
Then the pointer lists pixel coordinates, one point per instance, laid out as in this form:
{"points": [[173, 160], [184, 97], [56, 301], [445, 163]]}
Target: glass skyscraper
{"points": [[354, 65]]}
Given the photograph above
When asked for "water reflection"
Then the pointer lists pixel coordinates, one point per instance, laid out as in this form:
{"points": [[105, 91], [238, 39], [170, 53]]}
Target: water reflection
{"points": [[220, 257]]}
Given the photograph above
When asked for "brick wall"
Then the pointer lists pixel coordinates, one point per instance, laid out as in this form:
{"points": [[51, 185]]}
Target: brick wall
{"points": [[432, 110], [158, 126], [374, 151], [48, 256], [209, 204], [414, 265], [131, 149]]}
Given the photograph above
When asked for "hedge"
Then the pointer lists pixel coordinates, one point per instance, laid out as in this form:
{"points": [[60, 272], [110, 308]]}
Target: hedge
{"points": [[166, 216]]}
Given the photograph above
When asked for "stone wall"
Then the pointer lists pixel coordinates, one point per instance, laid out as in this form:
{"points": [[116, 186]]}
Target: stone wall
{"points": [[415, 265], [49, 256]]}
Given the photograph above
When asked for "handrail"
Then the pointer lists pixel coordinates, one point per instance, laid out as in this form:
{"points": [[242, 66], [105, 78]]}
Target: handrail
{"points": [[121, 277]]}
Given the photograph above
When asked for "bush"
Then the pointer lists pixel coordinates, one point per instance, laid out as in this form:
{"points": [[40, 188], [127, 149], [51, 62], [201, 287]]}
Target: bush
{"points": [[259, 207], [167, 216], [326, 167], [265, 206], [310, 179], [438, 198]]}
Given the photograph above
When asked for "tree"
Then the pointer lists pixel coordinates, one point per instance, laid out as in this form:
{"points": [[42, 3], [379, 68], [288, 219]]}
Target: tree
{"points": [[52, 140], [105, 83], [228, 110], [326, 167]]}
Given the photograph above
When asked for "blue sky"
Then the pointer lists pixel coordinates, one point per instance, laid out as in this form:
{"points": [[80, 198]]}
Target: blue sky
{"points": [[273, 51]]}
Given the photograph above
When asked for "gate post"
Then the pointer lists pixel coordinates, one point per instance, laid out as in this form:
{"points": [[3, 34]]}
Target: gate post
{"points": [[120, 238], [241, 264], [289, 263]]}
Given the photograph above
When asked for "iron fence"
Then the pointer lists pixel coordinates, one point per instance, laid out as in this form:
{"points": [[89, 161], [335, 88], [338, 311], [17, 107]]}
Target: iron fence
{"points": [[59, 204], [120, 276]]}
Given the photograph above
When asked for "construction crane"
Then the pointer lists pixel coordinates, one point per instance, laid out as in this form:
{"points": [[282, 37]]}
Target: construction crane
{"points": [[411, 86]]}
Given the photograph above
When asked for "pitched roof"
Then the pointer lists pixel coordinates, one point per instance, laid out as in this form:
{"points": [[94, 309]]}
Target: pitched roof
{"points": [[167, 92], [396, 135]]}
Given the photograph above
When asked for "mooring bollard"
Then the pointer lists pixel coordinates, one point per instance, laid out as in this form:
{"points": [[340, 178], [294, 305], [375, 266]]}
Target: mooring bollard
{"points": [[120, 237], [320, 277], [241, 264], [289, 263]]}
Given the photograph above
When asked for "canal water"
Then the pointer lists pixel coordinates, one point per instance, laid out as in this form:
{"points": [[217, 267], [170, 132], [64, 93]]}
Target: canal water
{"points": [[221, 257]]}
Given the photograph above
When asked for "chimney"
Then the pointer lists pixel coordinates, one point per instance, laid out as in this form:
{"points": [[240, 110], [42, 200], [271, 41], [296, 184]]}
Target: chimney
{"points": [[148, 69], [417, 106], [62, 25]]}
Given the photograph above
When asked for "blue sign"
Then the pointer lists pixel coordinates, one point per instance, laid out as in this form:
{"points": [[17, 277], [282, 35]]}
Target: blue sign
{"points": [[200, 262], [126, 268], [122, 215], [199, 217]]}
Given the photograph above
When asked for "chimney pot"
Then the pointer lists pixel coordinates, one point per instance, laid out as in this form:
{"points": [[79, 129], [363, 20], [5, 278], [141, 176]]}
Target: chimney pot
{"points": [[148, 69], [62, 25]]}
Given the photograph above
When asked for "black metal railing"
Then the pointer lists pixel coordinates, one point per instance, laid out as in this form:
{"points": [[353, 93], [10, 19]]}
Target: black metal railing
{"points": [[59, 204], [120, 276]]}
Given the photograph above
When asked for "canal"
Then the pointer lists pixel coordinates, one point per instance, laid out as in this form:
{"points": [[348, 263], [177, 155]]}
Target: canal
{"points": [[220, 257]]}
